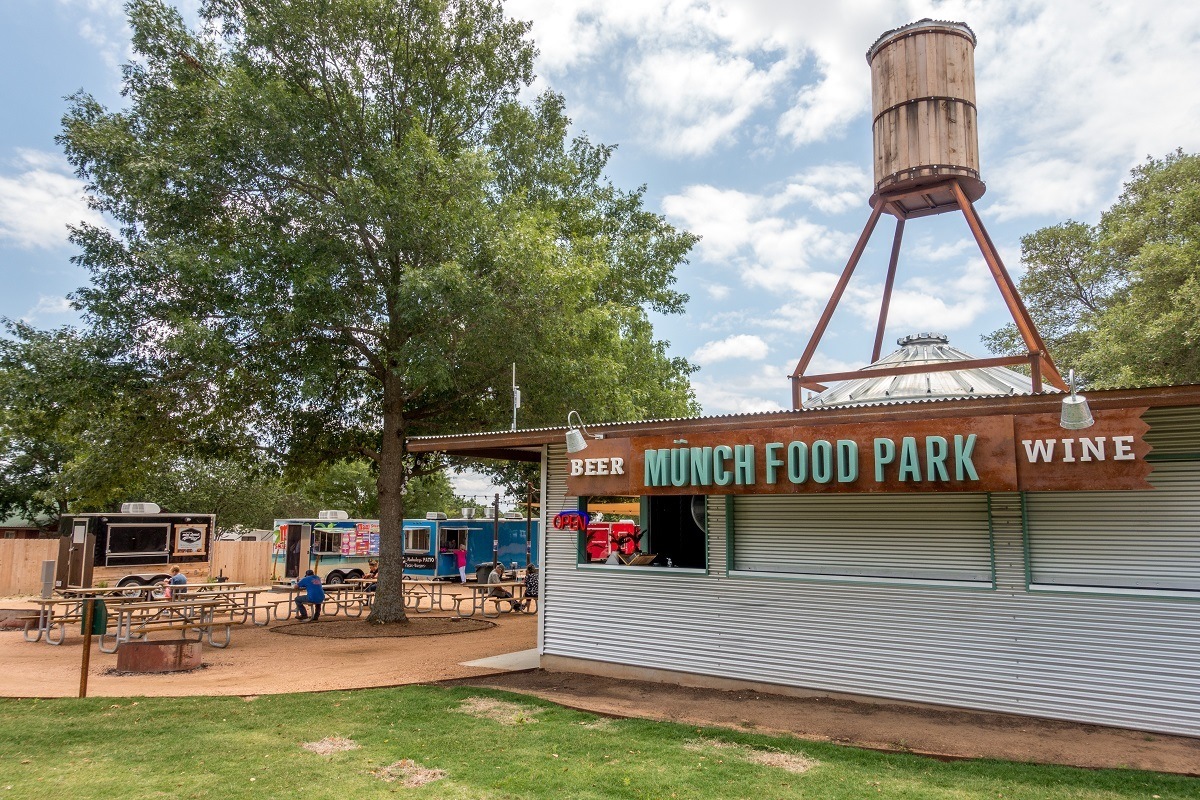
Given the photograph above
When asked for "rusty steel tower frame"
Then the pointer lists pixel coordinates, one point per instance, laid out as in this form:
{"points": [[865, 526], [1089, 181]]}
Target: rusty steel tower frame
{"points": [[926, 163]]}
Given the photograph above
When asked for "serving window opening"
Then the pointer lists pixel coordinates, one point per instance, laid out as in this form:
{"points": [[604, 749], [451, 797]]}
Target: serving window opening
{"points": [[137, 543], [651, 531], [450, 538], [416, 540]]}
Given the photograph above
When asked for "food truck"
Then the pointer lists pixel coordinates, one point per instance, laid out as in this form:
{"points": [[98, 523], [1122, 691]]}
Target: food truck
{"points": [[338, 548], [136, 547]]}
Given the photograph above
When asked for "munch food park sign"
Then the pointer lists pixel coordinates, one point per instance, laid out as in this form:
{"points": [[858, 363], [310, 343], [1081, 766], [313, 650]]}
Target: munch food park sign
{"points": [[964, 454]]}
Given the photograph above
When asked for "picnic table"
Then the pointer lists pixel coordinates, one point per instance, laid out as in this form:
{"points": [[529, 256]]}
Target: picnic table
{"points": [[239, 604], [481, 593], [418, 588], [53, 615], [190, 615], [348, 598]]}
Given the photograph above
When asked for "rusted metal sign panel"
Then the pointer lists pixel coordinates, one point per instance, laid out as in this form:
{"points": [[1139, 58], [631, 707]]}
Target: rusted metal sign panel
{"points": [[967, 454]]}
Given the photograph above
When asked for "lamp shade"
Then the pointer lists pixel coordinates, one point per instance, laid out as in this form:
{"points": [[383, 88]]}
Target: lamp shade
{"points": [[575, 441], [1075, 413]]}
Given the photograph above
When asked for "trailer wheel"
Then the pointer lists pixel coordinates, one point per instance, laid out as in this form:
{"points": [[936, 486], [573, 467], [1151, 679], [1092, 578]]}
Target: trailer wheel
{"points": [[160, 591], [335, 577], [131, 582], [352, 575]]}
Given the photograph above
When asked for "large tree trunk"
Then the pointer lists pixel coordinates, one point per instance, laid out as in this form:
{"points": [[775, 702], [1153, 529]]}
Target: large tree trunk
{"points": [[393, 477]]}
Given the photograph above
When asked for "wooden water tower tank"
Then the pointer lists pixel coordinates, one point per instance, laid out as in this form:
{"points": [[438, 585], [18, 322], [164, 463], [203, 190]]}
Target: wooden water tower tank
{"points": [[923, 107]]}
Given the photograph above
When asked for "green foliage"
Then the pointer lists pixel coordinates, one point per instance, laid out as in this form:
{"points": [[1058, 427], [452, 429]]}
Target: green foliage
{"points": [[1120, 301], [252, 748], [79, 425], [243, 494], [350, 486], [341, 220]]}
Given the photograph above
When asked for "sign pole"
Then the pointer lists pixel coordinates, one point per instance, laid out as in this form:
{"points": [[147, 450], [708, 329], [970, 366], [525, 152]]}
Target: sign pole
{"points": [[528, 524], [496, 529]]}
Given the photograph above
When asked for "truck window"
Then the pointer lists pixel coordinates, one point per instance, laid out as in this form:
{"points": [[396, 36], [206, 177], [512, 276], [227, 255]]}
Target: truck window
{"points": [[132, 539], [416, 540], [450, 538], [327, 541]]}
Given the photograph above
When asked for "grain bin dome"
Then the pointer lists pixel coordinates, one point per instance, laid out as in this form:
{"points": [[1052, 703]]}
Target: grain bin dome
{"points": [[923, 110], [923, 348]]}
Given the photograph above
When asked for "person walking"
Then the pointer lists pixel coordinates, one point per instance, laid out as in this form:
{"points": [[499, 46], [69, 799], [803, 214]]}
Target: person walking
{"points": [[314, 595]]}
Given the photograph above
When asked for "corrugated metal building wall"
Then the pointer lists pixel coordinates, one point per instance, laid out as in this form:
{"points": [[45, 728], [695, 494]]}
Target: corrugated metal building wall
{"points": [[1092, 655]]}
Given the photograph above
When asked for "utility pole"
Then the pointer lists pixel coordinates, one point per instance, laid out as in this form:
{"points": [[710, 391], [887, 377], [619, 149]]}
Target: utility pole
{"points": [[516, 396]]}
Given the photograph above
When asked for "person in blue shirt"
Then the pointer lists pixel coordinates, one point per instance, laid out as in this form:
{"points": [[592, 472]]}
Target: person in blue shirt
{"points": [[314, 595], [172, 584]]}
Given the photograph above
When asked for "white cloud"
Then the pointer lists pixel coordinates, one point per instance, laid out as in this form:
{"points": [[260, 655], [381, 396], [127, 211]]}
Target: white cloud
{"points": [[472, 485], [727, 397], [745, 347], [48, 306], [831, 188], [717, 291], [39, 199], [928, 249], [771, 251], [698, 99]]}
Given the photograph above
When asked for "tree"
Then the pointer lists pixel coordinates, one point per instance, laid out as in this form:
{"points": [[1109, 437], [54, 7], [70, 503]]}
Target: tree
{"points": [[350, 486], [1120, 301], [78, 425], [338, 218]]}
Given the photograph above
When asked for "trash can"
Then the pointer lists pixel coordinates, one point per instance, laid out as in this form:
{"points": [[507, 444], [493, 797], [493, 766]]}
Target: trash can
{"points": [[99, 618], [482, 571]]}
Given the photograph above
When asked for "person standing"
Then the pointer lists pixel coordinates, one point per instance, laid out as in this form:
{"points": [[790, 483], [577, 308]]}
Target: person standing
{"points": [[314, 595], [460, 561]]}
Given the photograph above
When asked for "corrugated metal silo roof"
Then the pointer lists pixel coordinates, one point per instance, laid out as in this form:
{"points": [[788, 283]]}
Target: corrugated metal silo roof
{"points": [[923, 348]]}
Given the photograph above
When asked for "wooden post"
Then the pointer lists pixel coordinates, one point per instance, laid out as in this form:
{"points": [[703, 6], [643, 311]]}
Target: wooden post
{"points": [[89, 604]]}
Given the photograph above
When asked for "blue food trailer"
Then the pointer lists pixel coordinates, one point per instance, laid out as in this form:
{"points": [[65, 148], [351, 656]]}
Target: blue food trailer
{"points": [[429, 544], [338, 548]]}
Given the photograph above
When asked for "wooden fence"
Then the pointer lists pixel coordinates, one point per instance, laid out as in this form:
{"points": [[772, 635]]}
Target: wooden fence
{"points": [[21, 564], [246, 562]]}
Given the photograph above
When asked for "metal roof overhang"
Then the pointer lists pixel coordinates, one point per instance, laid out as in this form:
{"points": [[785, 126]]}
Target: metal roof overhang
{"points": [[525, 445]]}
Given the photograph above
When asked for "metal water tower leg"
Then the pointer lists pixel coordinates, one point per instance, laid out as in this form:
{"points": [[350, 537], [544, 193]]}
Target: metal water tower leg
{"points": [[826, 315], [887, 290], [1008, 289]]}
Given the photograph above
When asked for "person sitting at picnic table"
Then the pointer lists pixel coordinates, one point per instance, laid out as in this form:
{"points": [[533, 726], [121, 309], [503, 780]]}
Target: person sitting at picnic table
{"points": [[372, 575], [499, 592], [531, 583], [314, 595], [177, 579]]}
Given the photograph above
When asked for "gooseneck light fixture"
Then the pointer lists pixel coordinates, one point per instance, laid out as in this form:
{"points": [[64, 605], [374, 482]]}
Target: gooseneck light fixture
{"points": [[1075, 411], [575, 440]]}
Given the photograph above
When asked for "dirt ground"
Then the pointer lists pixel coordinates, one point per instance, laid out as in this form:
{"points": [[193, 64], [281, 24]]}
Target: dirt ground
{"points": [[263, 661]]}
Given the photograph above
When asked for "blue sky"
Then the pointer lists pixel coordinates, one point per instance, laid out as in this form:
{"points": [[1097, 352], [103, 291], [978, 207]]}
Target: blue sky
{"points": [[749, 123]]}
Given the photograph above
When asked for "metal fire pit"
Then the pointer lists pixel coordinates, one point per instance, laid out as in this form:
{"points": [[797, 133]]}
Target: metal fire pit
{"points": [[164, 655]]}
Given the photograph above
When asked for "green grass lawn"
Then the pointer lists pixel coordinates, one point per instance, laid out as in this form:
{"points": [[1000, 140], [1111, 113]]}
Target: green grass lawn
{"points": [[231, 748]]}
